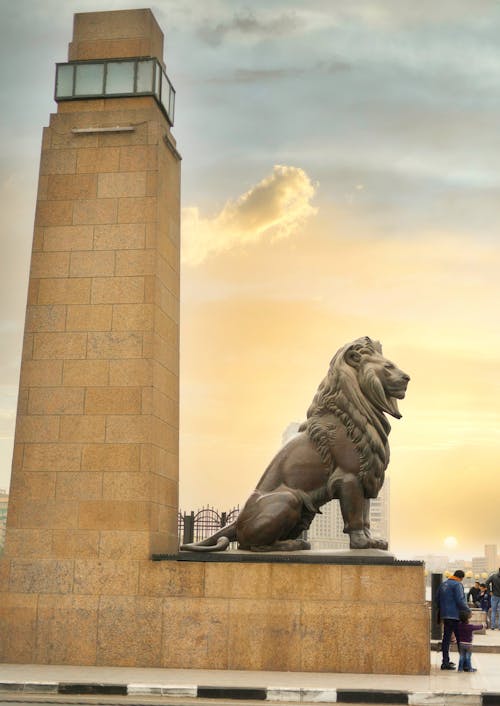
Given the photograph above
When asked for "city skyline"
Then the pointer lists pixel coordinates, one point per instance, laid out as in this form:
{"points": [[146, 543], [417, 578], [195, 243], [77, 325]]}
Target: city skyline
{"points": [[340, 179]]}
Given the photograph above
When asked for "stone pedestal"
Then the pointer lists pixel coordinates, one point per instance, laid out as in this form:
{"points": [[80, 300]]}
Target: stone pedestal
{"points": [[355, 618]]}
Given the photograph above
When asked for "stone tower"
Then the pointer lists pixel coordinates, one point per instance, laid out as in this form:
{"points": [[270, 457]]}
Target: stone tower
{"points": [[94, 485]]}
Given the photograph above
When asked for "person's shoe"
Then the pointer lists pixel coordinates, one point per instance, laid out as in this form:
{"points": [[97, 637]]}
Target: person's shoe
{"points": [[472, 669], [460, 669], [450, 665]]}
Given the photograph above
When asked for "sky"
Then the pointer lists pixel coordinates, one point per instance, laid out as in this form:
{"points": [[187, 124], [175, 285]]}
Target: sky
{"points": [[340, 178]]}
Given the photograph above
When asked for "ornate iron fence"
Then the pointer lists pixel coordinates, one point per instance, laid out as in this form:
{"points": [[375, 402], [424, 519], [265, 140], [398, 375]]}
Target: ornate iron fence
{"points": [[200, 524]]}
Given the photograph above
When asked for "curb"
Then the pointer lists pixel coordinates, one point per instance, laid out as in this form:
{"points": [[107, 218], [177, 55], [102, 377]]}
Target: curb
{"points": [[276, 694]]}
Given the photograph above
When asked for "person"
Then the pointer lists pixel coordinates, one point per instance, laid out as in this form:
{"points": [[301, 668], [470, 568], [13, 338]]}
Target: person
{"points": [[485, 603], [465, 633], [493, 584], [473, 594], [450, 599]]}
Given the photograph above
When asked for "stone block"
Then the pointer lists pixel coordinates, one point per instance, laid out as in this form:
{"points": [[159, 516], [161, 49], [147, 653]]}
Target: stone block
{"points": [[379, 582], [22, 402], [64, 291], [111, 457], [51, 457], [58, 162], [129, 631], [41, 576], [92, 264], [195, 634], [120, 237], [49, 264], [75, 544], [135, 262], [40, 373], [124, 485], [47, 514], [71, 186], [82, 429], [121, 184], [133, 317], [37, 244], [93, 212], [137, 210], [135, 429], [113, 400], [306, 581], [85, 372], [114, 515], [171, 578], [105, 577], [68, 238], [4, 576], [165, 381], [50, 317], [27, 349], [59, 345], [18, 627], [138, 158], [78, 486], [114, 345], [56, 400], [151, 184], [223, 580], [54, 213], [28, 543], [167, 328], [124, 545], [37, 429], [67, 630], [30, 485], [89, 317], [131, 372], [118, 290], [103, 159]]}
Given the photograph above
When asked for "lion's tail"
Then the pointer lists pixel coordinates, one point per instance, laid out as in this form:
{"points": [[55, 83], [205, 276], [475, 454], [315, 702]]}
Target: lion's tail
{"points": [[217, 542]]}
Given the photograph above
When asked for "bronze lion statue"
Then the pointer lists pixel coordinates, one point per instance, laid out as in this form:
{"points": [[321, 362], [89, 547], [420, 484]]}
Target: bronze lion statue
{"points": [[341, 451]]}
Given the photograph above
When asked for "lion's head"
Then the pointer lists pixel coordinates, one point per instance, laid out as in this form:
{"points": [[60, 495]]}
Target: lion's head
{"points": [[361, 386], [381, 382]]}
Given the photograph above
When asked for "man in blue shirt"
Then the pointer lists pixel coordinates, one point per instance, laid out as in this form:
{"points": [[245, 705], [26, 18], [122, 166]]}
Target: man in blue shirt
{"points": [[451, 600]]}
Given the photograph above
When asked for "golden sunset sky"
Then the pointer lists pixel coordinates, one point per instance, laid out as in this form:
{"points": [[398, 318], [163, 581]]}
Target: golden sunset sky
{"points": [[341, 178]]}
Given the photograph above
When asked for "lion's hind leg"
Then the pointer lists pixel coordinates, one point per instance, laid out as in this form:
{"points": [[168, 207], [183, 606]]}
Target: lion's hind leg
{"points": [[268, 520]]}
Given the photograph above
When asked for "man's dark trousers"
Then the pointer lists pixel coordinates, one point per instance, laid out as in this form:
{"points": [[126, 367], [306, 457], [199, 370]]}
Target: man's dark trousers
{"points": [[450, 627]]}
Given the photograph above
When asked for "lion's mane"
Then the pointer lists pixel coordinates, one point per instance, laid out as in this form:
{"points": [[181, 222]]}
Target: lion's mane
{"points": [[351, 394]]}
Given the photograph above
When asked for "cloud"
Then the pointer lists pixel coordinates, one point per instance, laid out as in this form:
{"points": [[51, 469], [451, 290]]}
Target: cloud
{"points": [[274, 208], [247, 24]]}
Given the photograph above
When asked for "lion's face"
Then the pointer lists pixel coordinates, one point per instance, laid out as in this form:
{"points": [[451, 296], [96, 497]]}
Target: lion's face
{"points": [[382, 382]]}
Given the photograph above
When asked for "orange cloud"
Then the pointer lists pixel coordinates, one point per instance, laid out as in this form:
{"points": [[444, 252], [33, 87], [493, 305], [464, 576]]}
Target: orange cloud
{"points": [[273, 208]]}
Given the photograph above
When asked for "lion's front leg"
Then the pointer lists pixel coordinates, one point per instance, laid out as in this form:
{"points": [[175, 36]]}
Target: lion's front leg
{"points": [[356, 513], [374, 543]]}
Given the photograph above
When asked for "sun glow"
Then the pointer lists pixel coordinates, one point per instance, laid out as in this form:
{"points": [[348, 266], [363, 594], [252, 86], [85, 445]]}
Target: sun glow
{"points": [[450, 542]]}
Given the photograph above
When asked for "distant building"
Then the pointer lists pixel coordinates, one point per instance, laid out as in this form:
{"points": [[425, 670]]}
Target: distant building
{"points": [[4, 501], [291, 431], [491, 555], [479, 565]]}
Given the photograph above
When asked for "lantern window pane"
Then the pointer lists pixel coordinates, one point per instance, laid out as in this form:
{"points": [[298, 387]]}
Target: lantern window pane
{"points": [[120, 77], [89, 79], [64, 81], [165, 92], [145, 76]]}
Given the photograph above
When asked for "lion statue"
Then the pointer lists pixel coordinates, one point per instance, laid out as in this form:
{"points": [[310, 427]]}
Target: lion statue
{"points": [[341, 451]]}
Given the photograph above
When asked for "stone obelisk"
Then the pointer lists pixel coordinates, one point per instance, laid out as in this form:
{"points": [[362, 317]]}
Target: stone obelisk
{"points": [[95, 470]]}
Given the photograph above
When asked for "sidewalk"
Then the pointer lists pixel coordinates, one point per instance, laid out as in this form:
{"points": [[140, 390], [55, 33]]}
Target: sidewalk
{"points": [[439, 688]]}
